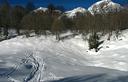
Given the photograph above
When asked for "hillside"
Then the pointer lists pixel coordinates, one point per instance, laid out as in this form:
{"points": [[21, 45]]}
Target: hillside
{"points": [[43, 59], [49, 45]]}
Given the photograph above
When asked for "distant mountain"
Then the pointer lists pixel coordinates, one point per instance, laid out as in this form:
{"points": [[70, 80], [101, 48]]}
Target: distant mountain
{"points": [[67, 4], [41, 9], [104, 6], [73, 12], [100, 7], [44, 9]]}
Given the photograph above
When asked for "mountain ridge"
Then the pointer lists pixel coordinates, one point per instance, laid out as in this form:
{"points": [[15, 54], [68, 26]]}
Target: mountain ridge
{"points": [[104, 6], [100, 7]]}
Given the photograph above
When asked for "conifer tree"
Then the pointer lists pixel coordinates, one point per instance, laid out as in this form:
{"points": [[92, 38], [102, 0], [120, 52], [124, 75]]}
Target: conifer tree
{"points": [[94, 42]]}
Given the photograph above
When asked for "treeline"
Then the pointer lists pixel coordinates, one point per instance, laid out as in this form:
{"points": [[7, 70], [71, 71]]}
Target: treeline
{"points": [[24, 18], [11, 17], [56, 22]]}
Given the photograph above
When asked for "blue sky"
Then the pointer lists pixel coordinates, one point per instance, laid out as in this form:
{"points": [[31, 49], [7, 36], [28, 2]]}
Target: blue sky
{"points": [[68, 4]]}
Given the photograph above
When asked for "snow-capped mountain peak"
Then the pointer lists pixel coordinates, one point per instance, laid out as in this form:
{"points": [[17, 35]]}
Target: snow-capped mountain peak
{"points": [[41, 9], [106, 0], [73, 12], [104, 6]]}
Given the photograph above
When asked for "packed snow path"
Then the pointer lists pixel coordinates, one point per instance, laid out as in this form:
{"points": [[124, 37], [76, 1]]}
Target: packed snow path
{"points": [[48, 59], [17, 68]]}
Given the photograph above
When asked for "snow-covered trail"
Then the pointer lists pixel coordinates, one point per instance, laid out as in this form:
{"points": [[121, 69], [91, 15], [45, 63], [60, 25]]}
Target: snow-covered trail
{"points": [[53, 60], [16, 68]]}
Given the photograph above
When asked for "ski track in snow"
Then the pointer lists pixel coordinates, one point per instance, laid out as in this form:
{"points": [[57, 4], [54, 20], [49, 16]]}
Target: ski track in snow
{"points": [[52, 60]]}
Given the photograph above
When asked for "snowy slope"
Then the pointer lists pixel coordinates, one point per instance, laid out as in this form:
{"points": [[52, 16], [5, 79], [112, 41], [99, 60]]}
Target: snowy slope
{"points": [[94, 78], [73, 12], [104, 6], [39, 59]]}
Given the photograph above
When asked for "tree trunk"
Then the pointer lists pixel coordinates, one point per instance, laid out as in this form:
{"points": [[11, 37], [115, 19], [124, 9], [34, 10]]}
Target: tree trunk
{"points": [[57, 36], [6, 32], [18, 31]]}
